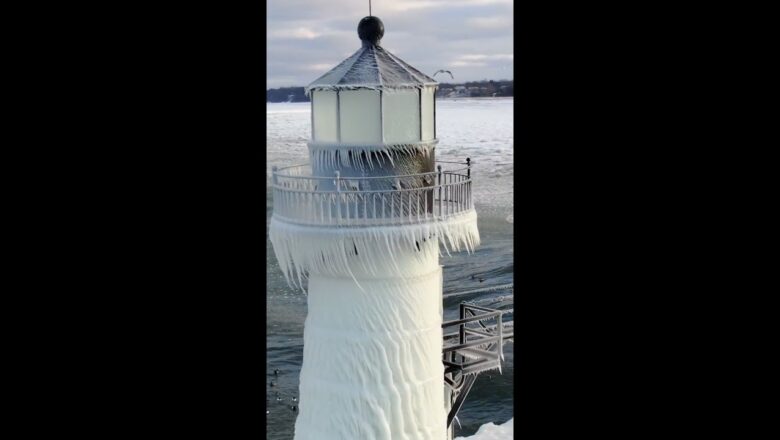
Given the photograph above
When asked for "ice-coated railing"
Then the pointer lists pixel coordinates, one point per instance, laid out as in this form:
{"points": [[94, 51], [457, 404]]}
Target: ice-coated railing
{"points": [[478, 349], [299, 197]]}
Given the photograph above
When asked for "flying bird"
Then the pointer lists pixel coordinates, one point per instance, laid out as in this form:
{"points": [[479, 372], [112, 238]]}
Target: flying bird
{"points": [[443, 71]]}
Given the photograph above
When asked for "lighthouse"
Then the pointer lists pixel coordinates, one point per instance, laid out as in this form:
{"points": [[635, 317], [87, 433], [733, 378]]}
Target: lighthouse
{"points": [[361, 228]]}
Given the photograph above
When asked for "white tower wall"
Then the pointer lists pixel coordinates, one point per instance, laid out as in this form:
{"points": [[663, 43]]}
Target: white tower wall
{"points": [[372, 366], [372, 360]]}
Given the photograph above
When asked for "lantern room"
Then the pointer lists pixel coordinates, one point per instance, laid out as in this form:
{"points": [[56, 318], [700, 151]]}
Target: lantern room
{"points": [[373, 97]]}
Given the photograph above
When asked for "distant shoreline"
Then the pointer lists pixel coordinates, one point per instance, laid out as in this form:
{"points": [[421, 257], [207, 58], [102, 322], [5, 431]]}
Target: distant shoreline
{"points": [[468, 89], [445, 98]]}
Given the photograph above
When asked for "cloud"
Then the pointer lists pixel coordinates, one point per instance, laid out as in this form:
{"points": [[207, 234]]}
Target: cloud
{"points": [[495, 62], [322, 67], [408, 5], [498, 56], [462, 63], [473, 38], [500, 21], [300, 33]]}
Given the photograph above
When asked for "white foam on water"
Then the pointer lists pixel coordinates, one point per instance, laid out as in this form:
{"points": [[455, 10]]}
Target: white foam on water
{"points": [[491, 431]]}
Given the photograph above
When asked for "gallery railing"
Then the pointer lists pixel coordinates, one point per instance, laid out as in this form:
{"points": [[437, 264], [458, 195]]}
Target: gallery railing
{"points": [[300, 197]]}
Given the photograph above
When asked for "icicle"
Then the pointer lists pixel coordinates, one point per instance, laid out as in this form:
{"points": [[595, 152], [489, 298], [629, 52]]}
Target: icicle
{"points": [[344, 256], [337, 155], [327, 250], [368, 159]]}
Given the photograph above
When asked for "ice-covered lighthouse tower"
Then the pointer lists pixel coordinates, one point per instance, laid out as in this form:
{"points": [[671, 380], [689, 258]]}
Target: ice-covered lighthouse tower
{"points": [[362, 225]]}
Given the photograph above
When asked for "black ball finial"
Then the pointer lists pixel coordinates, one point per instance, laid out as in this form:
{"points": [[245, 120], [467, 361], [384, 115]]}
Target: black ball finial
{"points": [[371, 30]]}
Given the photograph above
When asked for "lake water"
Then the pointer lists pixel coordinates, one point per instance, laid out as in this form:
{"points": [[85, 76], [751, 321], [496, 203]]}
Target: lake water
{"points": [[479, 128]]}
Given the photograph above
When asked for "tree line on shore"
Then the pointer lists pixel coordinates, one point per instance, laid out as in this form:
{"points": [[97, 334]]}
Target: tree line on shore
{"points": [[485, 88]]}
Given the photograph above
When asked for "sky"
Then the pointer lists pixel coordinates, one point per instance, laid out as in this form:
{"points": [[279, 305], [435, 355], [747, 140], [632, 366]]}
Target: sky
{"points": [[470, 38]]}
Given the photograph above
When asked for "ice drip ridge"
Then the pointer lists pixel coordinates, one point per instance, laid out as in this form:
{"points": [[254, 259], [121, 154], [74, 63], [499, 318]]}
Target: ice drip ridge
{"points": [[335, 155], [372, 250]]}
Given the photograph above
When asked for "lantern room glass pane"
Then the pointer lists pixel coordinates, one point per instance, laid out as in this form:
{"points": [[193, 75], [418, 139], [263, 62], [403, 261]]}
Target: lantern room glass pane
{"points": [[361, 121], [325, 113], [401, 116], [427, 113]]}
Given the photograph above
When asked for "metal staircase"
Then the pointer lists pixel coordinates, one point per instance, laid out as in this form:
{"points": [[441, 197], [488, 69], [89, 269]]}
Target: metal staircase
{"points": [[474, 348]]}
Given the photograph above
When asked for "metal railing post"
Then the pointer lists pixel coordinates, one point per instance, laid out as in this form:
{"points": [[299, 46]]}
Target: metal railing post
{"points": [[274, 183], [438, 167], [447, 193], [500, 327], [337, 182], [468, 183], [462, 326]]}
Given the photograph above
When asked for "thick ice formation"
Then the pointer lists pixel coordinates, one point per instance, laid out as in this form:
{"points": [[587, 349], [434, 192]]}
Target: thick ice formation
{"points": [[373, 365], [372, 338], [343, 252], [491, 431]]}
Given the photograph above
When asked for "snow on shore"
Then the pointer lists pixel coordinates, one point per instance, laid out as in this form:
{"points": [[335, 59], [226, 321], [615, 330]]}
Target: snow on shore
{"points": [[490, 431]]}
